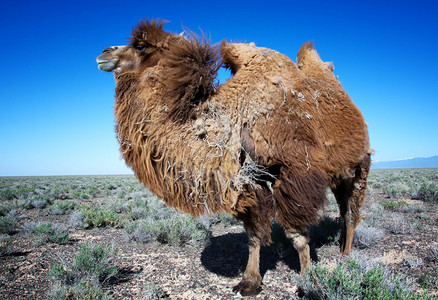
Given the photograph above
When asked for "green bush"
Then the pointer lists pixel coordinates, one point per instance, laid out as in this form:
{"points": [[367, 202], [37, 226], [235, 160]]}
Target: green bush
{"points": [[25, 203], [398, 189], [52, 233], [5, 208], [95, 261], [76, 194], [138, 213], [7, 194], [353, 279], [83, 195], [62, 207], [118, 205], [139, 230], [59, 192], [96, 217], [177, 230], [393, 205], [406, 183], [39, 203], [7, 224], [84, 277], [393, 221], [59, 273], [428, 192], [43, 228]]}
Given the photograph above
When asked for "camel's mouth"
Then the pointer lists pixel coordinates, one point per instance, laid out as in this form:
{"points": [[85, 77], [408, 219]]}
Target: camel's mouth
{"points": [[107, 65], [109, 59]]}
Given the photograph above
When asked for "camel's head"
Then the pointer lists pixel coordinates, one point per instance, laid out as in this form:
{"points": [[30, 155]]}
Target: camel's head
{"points": [[145, 49], [187, 67], [117, 59]]}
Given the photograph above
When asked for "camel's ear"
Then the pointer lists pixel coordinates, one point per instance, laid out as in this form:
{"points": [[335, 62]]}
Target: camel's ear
{"points": [[230, 59], [149, 32]]}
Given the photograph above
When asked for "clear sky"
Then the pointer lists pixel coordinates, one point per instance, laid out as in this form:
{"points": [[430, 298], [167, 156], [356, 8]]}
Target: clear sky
{"points": [[56, 115]]}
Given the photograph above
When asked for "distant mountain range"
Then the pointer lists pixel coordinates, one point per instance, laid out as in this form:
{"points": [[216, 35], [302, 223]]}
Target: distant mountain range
{"points": [[419, 162]]}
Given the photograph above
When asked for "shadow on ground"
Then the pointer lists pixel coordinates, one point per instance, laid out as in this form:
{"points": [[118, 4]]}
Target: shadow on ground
{"points": [[124, 275], [227, 255]]}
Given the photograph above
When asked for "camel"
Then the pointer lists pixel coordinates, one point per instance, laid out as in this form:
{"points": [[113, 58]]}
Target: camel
{"points": [[263, 147]]}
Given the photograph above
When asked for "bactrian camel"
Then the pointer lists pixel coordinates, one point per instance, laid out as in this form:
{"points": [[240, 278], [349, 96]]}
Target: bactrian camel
{"points": [[264, 146]]}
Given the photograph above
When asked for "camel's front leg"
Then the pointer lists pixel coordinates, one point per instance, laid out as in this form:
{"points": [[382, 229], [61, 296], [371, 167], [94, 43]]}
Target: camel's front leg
{"points": [[300, 240], [251, 283]]}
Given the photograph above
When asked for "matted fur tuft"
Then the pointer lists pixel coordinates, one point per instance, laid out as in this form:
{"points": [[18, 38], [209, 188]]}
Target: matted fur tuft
{"points": [[191, 68], [190, 65]]}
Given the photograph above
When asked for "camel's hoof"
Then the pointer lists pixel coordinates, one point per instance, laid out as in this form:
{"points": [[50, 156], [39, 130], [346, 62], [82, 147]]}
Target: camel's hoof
{"points": [[247, 288]]}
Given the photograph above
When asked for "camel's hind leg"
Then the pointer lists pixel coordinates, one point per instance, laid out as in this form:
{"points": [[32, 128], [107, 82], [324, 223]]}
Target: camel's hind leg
{"points": [[350, 195], [349, 210]]}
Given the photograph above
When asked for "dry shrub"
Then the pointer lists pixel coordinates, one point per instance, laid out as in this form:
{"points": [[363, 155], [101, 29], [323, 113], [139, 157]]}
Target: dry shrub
{"points": [[366, 236]]}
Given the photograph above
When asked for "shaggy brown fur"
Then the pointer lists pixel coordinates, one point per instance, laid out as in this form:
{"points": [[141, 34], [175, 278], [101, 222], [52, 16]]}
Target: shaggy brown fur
{"points": [[263, 146]]}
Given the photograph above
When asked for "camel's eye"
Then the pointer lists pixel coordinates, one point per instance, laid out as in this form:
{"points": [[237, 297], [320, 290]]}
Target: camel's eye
{"points": [[140, 48]]}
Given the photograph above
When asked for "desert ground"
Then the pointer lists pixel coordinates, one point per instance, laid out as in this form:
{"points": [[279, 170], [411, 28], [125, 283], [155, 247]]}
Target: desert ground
{"points": [[107, 237]]}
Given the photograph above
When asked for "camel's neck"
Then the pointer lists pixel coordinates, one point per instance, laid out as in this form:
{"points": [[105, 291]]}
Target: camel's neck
{"points": [[193, 162]]}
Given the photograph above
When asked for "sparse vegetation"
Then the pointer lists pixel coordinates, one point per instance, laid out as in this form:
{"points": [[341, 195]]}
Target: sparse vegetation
{"points": [[355, 279], [67, 210], [408, 183]]}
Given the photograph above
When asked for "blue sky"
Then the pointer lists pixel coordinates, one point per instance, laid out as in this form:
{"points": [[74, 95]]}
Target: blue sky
{"points": [[56, 115]]}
